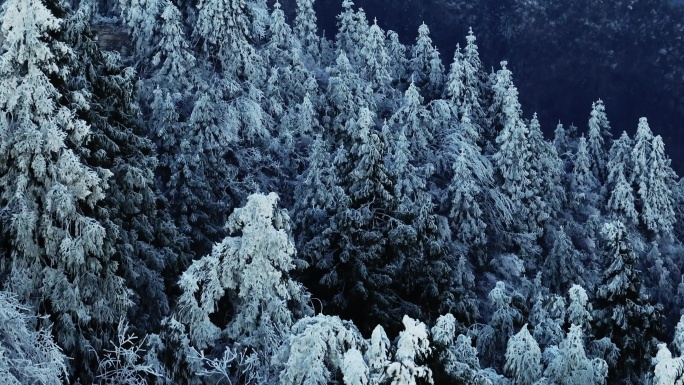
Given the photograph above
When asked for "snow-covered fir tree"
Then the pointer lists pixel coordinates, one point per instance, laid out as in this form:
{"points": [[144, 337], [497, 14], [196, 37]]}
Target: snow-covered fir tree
{"points": [[523, 358], [60, 258], [618, 187], [352, 29], [622, 312], [599, 133], [305, 28], [425, 67]]}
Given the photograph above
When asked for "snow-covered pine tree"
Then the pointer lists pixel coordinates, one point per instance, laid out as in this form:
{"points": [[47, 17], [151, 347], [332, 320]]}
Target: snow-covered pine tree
{"points": [[59, 258], [378, 354], [546, 169], [493, 338], [356, 268], [142, 17], [658, 276], [641, 155], [517, 163], [287, 81], [465, 84], [317, 199], [281, 38], [346, 94], [412, 348], [197, 177], [425, 67], [418, 236], [456, 358], [579, 310], [225, 31], [250, 269], [474, 80], [547, 316], [658, 203], [454, 86], [584, 187], [315, 350], [561, 140], [622, 311], [415, 120], [569, 364], [501, 82], [352, 29], [148, 247], [599, 133], [306, 30], [465, 191], [668, 370], [523, 358], [618, 187], [563, 267], [376, 60], [398, 65], [173, 57]]}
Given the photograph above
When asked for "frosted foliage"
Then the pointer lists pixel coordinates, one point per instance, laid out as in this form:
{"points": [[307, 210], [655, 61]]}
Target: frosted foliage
{"points": [[376, 59], [173, 53], [461, 363], [25, 25], [281, 33], [121, 364], [563, 266], [599, 127], [515, 152], [416, 122], [316, 349], [679, 336], [466, 214], [57, 251], [352, 29], [621, 201], [494, 336], [560, 139], [579, 310], [142, 17], [252, 267], [502, 81], [444, 330], [27, 356], [658, 211], [523, 358], [583, 182], [377, 354], [397, 53], [570, 365], [305, 26], [454, 87], [425, 66], [225, 29], [618, 187], [413, 346], [354, 368], [641, 154], [668, 370]]}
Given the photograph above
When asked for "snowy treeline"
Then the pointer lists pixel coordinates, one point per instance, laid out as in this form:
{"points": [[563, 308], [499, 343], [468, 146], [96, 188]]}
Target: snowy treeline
{"points": [[238, 199]]}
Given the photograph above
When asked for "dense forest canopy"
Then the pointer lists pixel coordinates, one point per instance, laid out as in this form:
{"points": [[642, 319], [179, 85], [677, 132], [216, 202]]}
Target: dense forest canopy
{"points": [[234, 196], [563, 53]]}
